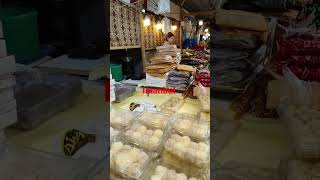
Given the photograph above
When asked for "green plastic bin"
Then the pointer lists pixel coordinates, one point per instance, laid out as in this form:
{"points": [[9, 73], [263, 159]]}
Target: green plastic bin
{"points": [[20, 28], [116, 72]]}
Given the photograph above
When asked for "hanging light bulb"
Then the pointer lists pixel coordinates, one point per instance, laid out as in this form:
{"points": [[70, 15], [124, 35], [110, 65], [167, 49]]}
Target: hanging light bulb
{"points": [[200, 23], [159, 25], [174, 27], [143, 11], [146, 21], [206, 30]]}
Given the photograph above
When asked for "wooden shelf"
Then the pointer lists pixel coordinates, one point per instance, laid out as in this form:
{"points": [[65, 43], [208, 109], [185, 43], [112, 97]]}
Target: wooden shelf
{"points": [[125, 47]]}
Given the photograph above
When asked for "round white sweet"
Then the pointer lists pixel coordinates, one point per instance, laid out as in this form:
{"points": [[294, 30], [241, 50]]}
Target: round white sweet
{"points": [[158, 133], [115, 147], [185, 139], [176, 137], [161, 170], [136, 136], [149, 132], [153, 141], [142, 129], [181, 176], [156, 177]]}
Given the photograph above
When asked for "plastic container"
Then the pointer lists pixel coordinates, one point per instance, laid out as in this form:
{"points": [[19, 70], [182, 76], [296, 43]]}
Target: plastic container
{"points": [[116, 71], [182, 153], [122, 92], [190, 125], [172, 105], [155, 119], [39, 100], [20, 30], [120, 118], [148, 138], [204, 102], [128, 162], [161, 169]]}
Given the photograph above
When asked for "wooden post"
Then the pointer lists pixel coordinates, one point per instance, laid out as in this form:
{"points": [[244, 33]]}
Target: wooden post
{"points": [[143, 49]]}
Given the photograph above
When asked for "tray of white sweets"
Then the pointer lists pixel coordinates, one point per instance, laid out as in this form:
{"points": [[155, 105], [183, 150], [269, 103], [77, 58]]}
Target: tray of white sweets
{"points": [[120, 118], [172, 105], [190, 125], [155, 119], [204, 116], [163, 171], [187, 155], [128, 162], [148, 138]]}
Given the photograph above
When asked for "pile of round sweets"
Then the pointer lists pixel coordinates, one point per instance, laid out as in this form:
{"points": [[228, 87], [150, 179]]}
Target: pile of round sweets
{"points": [[192, 128], [205, 102], [172, 104], [147, 138], [127, 161], [205, 116], [184, 148], [155, 120], [163, 173], [120, 118], [113, 133]]}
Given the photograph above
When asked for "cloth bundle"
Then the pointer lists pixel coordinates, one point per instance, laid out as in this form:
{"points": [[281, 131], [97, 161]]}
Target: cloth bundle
{"points": [[162, 59], [235, 58], [203, 77], [159, 70], [170, 50], [179, 79]]}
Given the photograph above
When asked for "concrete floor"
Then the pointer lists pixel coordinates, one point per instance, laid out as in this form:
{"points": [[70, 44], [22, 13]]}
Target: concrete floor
{"points": [[258, 142]]}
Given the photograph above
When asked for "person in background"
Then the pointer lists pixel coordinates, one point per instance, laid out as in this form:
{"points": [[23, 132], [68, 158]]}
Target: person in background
{"points": [[169, 39]]}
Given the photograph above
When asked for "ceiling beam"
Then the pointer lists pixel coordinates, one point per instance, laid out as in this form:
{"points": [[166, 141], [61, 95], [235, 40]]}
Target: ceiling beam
{"points": [[200, 13]]}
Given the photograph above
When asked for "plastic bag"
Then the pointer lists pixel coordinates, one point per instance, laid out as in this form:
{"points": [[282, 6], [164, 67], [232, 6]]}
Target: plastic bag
{"points": [[163, 6], [302, 91]]}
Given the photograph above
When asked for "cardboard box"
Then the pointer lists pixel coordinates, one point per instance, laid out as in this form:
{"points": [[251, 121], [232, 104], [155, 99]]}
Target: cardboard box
{"points": [[278, 89], [3, 48], [7, 65]]}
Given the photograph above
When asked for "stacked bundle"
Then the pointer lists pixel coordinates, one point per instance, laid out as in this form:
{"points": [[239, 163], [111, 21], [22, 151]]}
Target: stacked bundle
{"points": [[159, 70], [171, 50], [8, 110], [203, 77], [235, 47], [301, 55], [181, 77]]}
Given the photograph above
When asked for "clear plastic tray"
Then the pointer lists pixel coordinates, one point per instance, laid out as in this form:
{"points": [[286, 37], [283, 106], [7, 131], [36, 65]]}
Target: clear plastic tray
{"points": [[181, 152], [204, 116], [115, 135], [190, 125], [120, 118], [149, 138], [128, 161], [204, 102], [122, 92], [172, 105], [31, 164], [155, 119], [163, 170]]}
